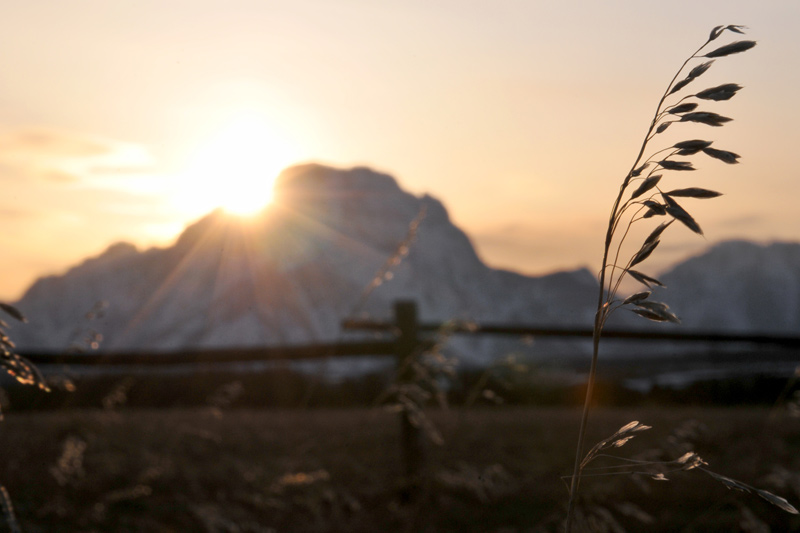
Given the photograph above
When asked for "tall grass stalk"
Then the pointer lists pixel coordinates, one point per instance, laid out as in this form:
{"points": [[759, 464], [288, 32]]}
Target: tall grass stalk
{"points": [[649, 200]]}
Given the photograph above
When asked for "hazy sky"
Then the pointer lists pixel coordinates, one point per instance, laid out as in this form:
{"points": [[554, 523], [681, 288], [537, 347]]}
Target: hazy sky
{"points": [[122, 120]]}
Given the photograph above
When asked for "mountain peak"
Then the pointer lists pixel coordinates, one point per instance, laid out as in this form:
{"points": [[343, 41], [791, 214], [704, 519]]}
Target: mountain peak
{"points": [[314, 177], [293, 274]]}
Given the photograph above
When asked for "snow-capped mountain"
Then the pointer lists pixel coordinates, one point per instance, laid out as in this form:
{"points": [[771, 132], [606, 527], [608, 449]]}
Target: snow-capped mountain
{"points": [[309, 261], [738, 286], [293, 274]]}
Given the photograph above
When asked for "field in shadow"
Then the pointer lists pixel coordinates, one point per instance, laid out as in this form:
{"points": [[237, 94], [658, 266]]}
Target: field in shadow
{"points": [[254, 470]]}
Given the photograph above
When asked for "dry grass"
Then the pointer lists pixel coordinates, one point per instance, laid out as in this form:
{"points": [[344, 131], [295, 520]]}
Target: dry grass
{"points": [[337, 470]]}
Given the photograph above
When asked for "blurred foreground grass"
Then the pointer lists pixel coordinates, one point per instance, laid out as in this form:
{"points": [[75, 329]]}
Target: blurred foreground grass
{"points": [[338, 470]]}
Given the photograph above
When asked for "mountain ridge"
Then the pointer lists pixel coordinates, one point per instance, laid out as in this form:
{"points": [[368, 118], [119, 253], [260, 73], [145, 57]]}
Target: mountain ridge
{"points": [[293, 274]]}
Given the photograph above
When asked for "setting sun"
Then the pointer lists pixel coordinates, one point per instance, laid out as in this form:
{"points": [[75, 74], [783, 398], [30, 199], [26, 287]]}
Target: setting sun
{"points": [[236, 168]]}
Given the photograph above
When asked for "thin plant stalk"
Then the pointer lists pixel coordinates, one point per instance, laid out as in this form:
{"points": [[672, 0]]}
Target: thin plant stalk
{"points": [[600, 315], [606, 277]]}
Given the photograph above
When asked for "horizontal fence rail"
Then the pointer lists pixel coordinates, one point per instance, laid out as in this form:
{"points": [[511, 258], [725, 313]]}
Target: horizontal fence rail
{"points": [[468, 328], [384, 347], [219, 355]]}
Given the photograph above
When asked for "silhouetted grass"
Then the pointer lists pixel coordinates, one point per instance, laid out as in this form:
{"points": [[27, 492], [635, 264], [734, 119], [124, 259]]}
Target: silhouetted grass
{"points": [[644, 194]]}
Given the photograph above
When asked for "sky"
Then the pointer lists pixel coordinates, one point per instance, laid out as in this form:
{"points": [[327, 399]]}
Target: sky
{"points": [[127, 120]]}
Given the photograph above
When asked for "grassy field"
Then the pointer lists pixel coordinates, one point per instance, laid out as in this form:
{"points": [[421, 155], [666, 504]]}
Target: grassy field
{"points": [[337, 470]]}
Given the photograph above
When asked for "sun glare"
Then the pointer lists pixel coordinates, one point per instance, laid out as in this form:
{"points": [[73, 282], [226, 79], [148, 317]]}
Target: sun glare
{"points": [[235, 169]]}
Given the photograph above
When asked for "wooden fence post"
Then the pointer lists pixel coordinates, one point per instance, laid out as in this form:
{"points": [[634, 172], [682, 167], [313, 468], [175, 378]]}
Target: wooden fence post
{"points": [[407, 347]]}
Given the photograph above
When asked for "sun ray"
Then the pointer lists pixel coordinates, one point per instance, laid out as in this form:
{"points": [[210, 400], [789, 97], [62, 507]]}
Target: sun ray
{"points": [[157, 299]]}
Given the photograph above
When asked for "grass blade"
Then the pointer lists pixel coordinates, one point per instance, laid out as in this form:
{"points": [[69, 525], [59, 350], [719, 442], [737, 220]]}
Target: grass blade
{"points": [[645, 279], [676, 165], [13, 312], [644, 252], [674, 209], [683, 108], [693, 192], [656, 233], [646, 185], [719, 93], [691, 147], [705, 117], [777, 501], [728, 157], [732, 48]]}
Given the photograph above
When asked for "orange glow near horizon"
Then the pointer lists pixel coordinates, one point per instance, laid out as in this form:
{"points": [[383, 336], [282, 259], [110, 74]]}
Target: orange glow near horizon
{"points": [[235, 169], [520, 117]]}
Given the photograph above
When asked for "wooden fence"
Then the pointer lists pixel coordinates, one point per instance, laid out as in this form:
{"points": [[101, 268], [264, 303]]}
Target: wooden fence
{"points": [[404, 335]]}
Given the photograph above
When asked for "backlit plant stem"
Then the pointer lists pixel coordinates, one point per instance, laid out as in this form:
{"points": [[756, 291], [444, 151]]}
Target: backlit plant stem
{"points": [[605, 297]]}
